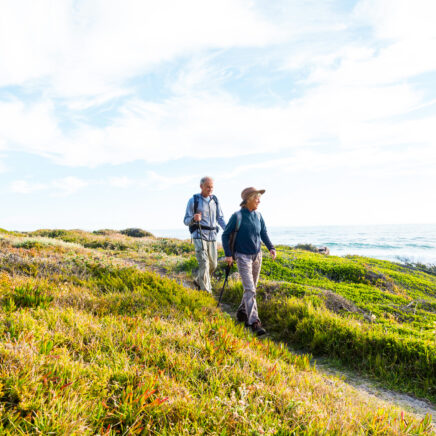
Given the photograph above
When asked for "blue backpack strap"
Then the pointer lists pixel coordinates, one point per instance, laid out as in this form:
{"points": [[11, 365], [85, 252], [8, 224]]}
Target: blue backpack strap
{"points": [[193, 227], [234, 234], [238, 220], [215, 199], [196, 200]]}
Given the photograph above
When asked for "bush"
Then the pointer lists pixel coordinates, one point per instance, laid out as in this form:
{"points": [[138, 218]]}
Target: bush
{"points": [[29, 244], [136, 233], [30, 296], [105, 232], [57, 233], [171, 246], [429, 269], [106, 244], [307, 247], [187, 265]]}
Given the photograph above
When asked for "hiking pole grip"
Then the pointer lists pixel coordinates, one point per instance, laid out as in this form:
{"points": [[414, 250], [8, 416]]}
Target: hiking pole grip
{"points": [[225, 282]]}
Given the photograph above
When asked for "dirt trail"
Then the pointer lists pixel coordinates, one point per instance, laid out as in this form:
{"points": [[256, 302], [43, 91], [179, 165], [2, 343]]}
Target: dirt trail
{"points": [[365, 385]]}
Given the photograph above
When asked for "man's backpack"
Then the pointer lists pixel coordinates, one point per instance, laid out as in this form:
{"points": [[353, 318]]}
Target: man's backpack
{"points": [[193, 227]]}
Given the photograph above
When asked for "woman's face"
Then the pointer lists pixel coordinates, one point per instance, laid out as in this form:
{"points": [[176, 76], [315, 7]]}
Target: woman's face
{"points": [[253, 202]]}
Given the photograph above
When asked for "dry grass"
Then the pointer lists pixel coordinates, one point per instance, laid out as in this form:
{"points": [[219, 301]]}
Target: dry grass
{"points": [[98, 348]]}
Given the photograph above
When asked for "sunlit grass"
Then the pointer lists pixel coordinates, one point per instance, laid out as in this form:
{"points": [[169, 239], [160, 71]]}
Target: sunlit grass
{"points": [[372, 315], [90, 344]]}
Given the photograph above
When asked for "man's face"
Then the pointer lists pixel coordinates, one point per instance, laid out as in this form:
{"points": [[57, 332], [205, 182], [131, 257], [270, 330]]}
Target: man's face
{"points": [[207, 188]]}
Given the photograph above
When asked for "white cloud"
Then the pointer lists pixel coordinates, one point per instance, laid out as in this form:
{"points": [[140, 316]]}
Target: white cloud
{"points": [[358, 97], [82, 103], [217, 125], [398, 19], [158, 182], [31, 127], [68, 185], [25, 187], [88, 48], [410, 161], [120, 182], [359, 66], [348, 104], [59, 187], [152, 182], [398, 45]]}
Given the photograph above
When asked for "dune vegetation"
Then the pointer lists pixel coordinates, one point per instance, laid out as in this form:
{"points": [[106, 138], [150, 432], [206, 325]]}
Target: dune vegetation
{"points": [[372, 315], [100, 334]]}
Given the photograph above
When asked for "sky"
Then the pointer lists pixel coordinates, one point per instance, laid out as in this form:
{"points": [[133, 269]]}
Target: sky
{"points": [[112, 111]]}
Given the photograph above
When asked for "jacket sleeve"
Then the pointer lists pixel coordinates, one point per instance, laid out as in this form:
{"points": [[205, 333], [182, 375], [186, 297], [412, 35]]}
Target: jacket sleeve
{"points": [[220, 217], [264, 235], [225, 237], [189, 215]]}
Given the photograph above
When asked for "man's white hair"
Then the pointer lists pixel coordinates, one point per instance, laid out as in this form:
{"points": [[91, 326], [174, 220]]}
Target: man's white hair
{"points": [[205, 179]]}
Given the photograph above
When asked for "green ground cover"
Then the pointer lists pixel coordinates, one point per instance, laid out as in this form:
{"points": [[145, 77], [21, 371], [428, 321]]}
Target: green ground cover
{"points": [[93, 341], [375, 316]]}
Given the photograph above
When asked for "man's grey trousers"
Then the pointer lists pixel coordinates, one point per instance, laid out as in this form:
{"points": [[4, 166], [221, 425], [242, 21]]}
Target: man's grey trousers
{"points": [[206, 254], [249, 266]]}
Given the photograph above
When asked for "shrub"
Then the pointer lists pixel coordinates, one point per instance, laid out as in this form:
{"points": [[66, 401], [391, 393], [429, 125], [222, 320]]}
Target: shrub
{"points": [[429, 269], [57, 233], [30, 296], [187, 265], [136, 233], [307, 247], [171, 246], [28, 244], [106, 244], [105, 232]]}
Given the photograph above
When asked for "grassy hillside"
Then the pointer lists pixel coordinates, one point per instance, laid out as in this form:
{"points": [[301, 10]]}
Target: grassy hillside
{"points": [[94, 341], [372, 315]]}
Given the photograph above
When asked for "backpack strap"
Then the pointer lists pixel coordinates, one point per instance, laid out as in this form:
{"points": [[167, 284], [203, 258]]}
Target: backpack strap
{"points": [[193, 227], [196, 198], [238, 220], [215, 199], [234, 234]]}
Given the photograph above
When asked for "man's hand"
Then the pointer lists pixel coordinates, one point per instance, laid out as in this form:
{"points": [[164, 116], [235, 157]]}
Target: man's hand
{"points": [[273, 254], [229, 260], [197, 217]]}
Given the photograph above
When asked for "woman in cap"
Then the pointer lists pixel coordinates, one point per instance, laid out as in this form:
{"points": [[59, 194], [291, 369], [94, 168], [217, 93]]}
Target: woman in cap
{"points": [[251, 231]]}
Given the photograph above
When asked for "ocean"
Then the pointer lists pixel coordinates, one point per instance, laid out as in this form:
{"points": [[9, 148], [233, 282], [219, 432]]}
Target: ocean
{"points": [[399, 242]]}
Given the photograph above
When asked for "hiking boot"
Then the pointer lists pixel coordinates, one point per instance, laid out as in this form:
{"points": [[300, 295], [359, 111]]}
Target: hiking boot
{"points": [[241, 316], [257, 328]]}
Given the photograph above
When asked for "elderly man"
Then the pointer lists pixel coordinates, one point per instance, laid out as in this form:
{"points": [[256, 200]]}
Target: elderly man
{"points": [[203, 213]]}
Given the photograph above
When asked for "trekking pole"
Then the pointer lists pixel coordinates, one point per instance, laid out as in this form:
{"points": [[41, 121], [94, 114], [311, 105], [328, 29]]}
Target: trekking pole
{"points": [[225, 282]]}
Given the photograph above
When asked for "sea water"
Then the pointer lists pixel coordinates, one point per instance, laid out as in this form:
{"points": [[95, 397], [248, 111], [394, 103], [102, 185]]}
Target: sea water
{"points": [[399, 242]]}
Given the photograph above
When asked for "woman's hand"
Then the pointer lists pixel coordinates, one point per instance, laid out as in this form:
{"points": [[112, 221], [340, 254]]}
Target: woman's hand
{"points": [[273, 254], [229, 261]]}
